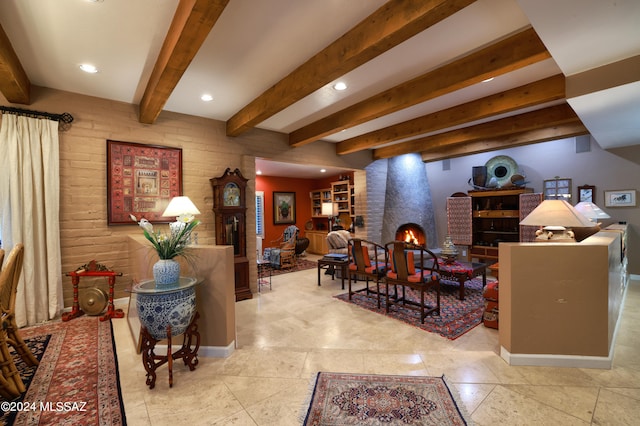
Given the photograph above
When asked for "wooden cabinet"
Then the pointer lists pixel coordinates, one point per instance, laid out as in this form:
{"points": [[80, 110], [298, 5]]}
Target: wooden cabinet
{"points": [[317, 242], [342, 194], [495, 219], [229, 206]]}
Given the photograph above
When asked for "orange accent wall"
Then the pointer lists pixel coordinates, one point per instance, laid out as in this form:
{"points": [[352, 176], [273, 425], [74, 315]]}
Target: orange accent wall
{"points": [[302, 188]]}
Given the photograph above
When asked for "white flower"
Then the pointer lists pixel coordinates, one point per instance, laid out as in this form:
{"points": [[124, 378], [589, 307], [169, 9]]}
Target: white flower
{"points": [[146, 225], [185, 218]]}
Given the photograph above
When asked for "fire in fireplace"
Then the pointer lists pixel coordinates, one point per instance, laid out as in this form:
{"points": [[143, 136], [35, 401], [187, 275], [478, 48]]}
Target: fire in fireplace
{"points": [[411, 233]]}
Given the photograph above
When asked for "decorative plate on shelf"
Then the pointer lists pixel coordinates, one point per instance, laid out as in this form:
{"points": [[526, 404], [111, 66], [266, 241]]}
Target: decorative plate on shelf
{"points": [[501, 168], [309, 225]]}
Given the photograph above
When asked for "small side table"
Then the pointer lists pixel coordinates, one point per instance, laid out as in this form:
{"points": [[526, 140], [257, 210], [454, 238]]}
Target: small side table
{"points": [[75, 280], [328, 263], [264, 268]]}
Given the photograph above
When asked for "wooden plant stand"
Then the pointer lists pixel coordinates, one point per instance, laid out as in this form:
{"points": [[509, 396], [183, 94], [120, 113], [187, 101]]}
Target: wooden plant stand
{"points": [[189, 355]]}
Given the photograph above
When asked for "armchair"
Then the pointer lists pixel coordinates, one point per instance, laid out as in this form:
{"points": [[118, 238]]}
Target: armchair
{"points": [[284, 254], [368, 261], [403, 272]]}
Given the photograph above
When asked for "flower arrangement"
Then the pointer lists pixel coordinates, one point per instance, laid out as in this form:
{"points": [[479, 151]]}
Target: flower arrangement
{"points": [[174, 243]]}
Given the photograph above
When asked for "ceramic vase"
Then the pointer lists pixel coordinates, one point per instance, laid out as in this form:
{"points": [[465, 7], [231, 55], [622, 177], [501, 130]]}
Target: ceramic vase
{"points": [[168, 308], [166, 273]]}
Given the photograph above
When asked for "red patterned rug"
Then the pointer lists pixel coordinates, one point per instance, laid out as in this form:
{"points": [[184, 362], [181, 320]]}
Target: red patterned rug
{"points": [[364, 399], [77, 379], [301, 265], [456, 316]]}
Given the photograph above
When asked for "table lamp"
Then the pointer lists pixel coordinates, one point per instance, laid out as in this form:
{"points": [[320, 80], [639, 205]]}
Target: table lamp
{"points": [[330, 210], [556, 217], [180, 206]]}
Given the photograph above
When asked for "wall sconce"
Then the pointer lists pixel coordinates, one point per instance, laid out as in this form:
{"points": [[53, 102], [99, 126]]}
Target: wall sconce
{"points": [[557, 217]]}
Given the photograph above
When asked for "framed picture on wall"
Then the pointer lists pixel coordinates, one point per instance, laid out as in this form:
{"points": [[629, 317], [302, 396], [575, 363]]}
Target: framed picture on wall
{"points": [[284, 208], [141, 180], [620, 198], [587, 193]]}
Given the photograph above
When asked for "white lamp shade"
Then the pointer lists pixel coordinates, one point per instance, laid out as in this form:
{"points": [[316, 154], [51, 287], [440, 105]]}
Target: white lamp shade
{"points": [[556, 213], [329, 209], [179, 206], [591, 211]]}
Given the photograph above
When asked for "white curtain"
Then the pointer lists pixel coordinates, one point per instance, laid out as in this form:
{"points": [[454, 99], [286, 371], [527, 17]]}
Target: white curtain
{"points": [[30, 204]]}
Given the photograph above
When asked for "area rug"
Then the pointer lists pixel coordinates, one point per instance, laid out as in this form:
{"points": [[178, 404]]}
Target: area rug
{"points": [[77, 380], [456, 316], [364, 399], [301, 265]]}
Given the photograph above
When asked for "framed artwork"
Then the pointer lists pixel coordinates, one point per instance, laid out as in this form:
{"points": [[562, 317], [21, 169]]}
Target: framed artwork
{"points": [[557, 189], [141, 180], [587, 193], [284, 208], [620, 198]]}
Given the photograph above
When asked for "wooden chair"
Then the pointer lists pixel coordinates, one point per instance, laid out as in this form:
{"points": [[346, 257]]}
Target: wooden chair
{"points": [[9, 278], [403, 272], [285, 253], [367, 260]]}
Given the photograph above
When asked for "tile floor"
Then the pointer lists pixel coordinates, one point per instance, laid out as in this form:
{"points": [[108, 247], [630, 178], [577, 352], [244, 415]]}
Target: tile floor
{"points": [[286, 334]]}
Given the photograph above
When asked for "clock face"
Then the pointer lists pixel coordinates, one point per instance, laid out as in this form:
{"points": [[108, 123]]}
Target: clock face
{"points": [[231, 195]]}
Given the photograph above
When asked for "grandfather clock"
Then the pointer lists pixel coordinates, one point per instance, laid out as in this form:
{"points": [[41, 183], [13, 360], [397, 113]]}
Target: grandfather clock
{"points": [[229, 206]]}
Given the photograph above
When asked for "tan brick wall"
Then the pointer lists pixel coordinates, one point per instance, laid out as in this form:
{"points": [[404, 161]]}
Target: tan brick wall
{"points": [[206, 153]]}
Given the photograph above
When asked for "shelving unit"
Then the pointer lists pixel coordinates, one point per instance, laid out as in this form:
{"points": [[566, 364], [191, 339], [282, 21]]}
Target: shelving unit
{"points": [[318, 197], [495, 219]]}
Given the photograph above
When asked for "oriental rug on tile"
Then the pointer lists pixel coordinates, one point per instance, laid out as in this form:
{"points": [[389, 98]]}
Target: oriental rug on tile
{"points": [[367, 399]]}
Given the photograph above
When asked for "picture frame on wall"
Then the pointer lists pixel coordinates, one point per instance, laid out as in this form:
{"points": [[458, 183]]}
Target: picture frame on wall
{"points": [[620, 198], [587, 193], [284, 208], [141, 180]]}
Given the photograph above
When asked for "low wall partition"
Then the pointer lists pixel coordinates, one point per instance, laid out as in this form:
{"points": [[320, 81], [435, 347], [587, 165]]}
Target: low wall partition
{"points": [[560, 302]]}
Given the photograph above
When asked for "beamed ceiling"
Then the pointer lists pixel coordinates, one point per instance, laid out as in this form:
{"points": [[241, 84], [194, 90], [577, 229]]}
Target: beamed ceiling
{"points": [[414, 68]]}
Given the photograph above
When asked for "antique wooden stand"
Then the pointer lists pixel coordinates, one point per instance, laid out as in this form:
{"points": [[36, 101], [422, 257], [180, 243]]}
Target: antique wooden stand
{"points": [[189, 355], [93, 269]]}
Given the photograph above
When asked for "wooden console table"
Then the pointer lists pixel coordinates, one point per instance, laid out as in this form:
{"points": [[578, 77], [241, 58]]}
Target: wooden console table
{"points": [[75, 280]]}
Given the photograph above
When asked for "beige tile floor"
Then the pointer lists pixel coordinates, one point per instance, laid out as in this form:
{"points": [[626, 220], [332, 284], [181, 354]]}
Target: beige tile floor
{"points": [[287, 334]]}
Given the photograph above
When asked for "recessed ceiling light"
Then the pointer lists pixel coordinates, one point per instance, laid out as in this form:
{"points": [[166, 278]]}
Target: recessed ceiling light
{"points": [[258, 172], [487, 80], [206, 97], [89, 68], [323, 170], [340, 85]]}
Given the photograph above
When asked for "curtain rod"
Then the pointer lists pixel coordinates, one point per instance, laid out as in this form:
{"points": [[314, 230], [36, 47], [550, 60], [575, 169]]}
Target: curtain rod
{"points": [[65, 119]]}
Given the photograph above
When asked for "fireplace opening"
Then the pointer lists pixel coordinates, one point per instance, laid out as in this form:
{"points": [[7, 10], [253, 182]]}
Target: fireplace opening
{"points": [[412, 233]]}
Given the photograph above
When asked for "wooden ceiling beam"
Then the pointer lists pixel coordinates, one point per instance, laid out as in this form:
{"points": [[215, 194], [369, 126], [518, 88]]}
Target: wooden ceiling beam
{"points": [[190, 26], [390, 25], [539, 119], [521, 49], [536, 93], [508, 141], [14, 83]]}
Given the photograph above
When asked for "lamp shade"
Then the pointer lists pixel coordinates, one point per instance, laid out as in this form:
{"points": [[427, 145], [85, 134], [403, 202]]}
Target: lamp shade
{"points": [[591, 211], [556, 213], [179, 206], [329, 209]]}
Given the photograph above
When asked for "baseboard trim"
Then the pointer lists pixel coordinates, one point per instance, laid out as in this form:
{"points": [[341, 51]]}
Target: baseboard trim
{"points": [[206, 351], [544, 360]]}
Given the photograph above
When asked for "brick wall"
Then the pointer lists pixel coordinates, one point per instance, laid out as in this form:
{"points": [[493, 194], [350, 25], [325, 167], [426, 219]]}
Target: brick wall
{"points": [[206, 152]]}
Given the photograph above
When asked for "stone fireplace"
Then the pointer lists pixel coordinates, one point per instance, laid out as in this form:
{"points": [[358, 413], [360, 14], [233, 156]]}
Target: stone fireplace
{"points": [[397, 194], [411, 233]]}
